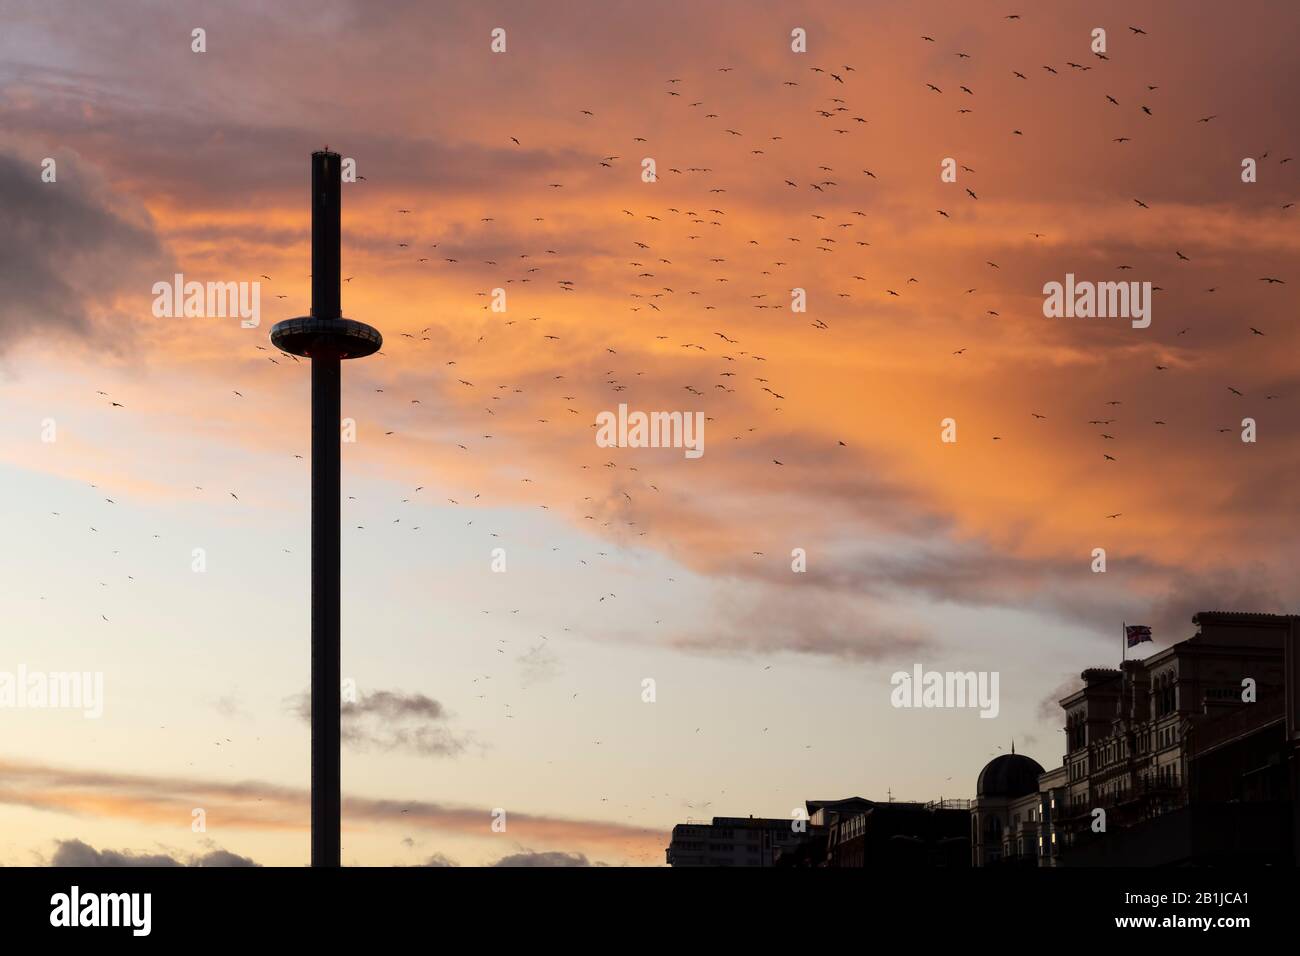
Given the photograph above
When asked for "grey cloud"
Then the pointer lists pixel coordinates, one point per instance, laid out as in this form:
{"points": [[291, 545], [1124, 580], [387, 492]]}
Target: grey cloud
{"points": [[1226, 589], [783, 619], [69, 250], [246, 163], [538, 664], [1049, 707], [77, 853], [551, 858], [223, 858], [390, 720]]}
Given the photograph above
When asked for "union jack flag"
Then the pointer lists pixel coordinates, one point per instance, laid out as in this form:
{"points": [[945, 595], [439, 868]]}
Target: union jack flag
{"points": [[1137, 634]]}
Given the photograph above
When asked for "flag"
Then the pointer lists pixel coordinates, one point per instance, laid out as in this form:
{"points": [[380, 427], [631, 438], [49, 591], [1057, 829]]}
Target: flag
{"points": [[1137, 634]]}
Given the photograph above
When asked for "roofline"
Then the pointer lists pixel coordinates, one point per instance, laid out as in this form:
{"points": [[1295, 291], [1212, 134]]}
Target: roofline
{"points": [[1242, 617]]}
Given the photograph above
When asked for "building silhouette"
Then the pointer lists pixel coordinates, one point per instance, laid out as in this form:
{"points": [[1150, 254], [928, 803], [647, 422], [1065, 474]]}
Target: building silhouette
{"points": [[1185, 758], [1190, 757], [899, 834], [1007, 813], [732, 841], [853, 832]]}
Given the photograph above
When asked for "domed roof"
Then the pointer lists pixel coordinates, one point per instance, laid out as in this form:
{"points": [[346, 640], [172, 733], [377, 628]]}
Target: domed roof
{"points": [[1010, 775]]}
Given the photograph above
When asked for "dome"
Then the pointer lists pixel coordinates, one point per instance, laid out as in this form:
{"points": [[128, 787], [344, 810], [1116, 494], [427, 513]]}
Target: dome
{"points": [[1010, 775]]}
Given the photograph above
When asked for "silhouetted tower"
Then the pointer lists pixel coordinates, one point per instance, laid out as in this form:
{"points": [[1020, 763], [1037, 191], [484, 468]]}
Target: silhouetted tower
{"points": [[326, 338]]}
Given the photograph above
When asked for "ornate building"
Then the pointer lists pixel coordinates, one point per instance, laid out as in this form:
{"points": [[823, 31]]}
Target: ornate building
{"points": [[1180, 758], [1006, 815]]}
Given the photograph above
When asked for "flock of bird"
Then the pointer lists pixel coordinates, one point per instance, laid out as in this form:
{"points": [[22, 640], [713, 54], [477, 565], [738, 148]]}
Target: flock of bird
{"points": [[729, 365]]}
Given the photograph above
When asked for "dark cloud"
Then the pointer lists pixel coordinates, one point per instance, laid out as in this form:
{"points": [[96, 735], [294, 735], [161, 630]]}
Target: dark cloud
{"points": [[392, 705], [1226, 589], [390, 720], [781, 618], [71, 251], [76, 853], [269, 158], [222, 858]]}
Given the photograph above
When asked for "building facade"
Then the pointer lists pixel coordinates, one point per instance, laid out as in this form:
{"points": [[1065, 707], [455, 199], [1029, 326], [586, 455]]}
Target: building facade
{"points": [[851, 832], [1006, 815], [900, 834], [1190, 757], [1177, 759], [733, 841]]}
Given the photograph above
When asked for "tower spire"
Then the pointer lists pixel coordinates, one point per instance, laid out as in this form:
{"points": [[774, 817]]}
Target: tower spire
{"points": [[327, 338]]}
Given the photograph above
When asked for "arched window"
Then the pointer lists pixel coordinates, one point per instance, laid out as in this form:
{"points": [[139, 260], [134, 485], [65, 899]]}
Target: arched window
{"points": [[993, 828]]}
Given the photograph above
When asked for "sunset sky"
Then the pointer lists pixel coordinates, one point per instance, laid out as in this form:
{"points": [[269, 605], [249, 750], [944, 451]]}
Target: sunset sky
{"points": [[522, 171]]}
